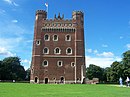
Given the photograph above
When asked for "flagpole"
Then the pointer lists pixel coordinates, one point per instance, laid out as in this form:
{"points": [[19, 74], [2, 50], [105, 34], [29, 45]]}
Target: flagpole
{"points": [[46, 8]]}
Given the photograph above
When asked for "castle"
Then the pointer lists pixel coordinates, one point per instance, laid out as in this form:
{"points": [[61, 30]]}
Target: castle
{"points": [[58, 54]]}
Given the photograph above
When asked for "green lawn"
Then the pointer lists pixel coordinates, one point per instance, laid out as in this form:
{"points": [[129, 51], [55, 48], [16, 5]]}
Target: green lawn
{"points": [[71, 90]]}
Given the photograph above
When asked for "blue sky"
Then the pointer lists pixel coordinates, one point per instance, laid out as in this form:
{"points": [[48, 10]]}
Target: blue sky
{"points": [[107, 27]]}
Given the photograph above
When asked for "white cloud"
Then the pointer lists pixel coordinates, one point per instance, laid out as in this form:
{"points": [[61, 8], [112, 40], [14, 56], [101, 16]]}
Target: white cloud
{"points": [[106, 54], [26, 63], [11, 2], [95, 51], [14, 21], [15, 4], [104, 45], [8, 1], [128, 46], [5, 52], [89, 50], [10, 43], [101, 61]]}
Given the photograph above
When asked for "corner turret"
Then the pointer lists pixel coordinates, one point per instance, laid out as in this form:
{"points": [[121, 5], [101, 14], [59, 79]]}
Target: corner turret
{"points": [[41, 14]]}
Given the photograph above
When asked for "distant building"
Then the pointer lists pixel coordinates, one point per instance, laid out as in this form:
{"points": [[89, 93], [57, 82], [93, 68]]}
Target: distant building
{"points": [[58, 54]]}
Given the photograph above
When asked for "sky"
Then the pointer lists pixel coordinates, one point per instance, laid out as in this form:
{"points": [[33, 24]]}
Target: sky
{"points": [[106, 27]]}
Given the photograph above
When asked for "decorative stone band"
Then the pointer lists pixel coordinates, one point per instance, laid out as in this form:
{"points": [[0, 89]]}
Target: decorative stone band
{"points": [[56, 29], [55, 56]]}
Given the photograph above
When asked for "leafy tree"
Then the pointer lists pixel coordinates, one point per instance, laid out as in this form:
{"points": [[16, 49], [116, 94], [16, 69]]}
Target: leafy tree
{"points": [[0, 69], [126, 64], [94, 71], [114, 72], [28, 74], [12, 70]]}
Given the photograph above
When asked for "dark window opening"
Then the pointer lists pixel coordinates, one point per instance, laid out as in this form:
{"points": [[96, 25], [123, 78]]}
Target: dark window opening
{"points": [[46, 37]]}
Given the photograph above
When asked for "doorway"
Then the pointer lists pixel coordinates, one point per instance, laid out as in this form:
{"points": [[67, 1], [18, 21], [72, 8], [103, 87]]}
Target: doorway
{"points": [[36, 79], [62, 80], [46, 80]]}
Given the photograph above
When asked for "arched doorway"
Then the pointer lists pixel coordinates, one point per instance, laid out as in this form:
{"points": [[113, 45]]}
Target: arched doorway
{"points": [[36, 80], [46, 80], [62, 80]]}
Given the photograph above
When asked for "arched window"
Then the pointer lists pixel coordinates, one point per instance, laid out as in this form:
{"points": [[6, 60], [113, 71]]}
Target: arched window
{"points": [[46, 50], [45, 63], [72, 64], [57, 50], [59, 63], [46, 37], [69, 51], [55, 37], [68, 38], [38, 42]]}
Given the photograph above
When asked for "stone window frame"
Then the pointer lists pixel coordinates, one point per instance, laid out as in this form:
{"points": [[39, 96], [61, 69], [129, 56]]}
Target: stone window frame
{"points": [[55, 52], [66, 37], [47, 50], [67, 51], [45, 37], [72, 64], [54, 37], [45, 65], [38, 42], [60, 65]]}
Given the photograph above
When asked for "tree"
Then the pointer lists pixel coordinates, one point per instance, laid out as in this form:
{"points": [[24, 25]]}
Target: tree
{"points": [[94, 71], [114, 72], [12, 70], [28, 74], [126, 64], [0, 69]]}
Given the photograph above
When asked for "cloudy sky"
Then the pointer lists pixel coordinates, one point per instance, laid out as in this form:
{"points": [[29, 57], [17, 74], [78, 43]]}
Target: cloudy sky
{"points": [[107, 27]]}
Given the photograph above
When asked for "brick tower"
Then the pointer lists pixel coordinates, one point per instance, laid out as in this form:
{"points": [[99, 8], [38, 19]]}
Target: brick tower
{"points": [[58, 54]]}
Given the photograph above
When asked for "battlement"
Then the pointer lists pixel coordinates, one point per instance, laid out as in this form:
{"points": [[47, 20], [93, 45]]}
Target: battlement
{"points": [[41, 12], [78, 12]]}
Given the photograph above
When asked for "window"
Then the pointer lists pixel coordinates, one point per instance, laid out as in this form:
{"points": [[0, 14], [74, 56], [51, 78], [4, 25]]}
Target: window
{"points": [[55, 38], [72, 64], [46, 50], [59, 63], [37, 42], [57, 51], [68, 38], [68, 51], [46, 38], [45, 63], [32, 71]]}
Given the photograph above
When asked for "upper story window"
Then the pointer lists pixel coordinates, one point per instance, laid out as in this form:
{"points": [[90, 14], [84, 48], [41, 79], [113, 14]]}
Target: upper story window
{"points": [[46, 50], [68, 38], [45, 63], [57, 50], [38, 42], [55, 37], [46, 37], [60, 63], [69, 51]]}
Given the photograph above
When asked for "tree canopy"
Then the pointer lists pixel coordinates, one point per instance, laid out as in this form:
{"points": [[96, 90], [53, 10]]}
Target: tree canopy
{"points": [[112, 73], [11, 69]]}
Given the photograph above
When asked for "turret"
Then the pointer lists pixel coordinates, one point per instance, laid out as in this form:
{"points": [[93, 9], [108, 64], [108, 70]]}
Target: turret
{"points": [[77, 15], [41, 14]]}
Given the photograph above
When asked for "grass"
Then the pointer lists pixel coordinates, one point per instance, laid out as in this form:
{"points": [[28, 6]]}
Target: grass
{"points": [[71, 90]]}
